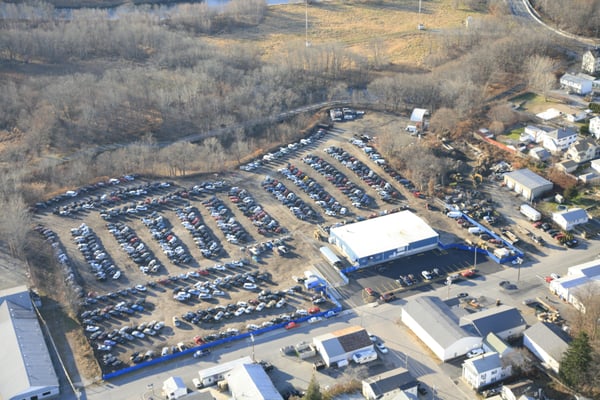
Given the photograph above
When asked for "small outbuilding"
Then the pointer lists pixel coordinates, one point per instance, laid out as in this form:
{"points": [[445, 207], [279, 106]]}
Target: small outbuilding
{"points": [[567, 220], [527, 183], [548, 343], [434, 323], [337, 348], [174, 388]]}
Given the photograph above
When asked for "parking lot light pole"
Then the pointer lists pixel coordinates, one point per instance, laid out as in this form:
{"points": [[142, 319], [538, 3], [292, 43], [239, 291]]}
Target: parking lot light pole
{"points": [[252, 339]]}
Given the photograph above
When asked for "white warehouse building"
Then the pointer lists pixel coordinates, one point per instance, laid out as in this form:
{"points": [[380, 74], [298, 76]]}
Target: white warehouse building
{"points": [[337, 348], [581, 281], [434, 323], [378, 240]]}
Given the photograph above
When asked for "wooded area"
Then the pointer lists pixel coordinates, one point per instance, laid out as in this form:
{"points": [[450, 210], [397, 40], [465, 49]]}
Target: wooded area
{"points": [[581, 17]]}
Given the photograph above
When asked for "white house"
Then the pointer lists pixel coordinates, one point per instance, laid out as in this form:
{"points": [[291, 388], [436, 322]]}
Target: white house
{"points": [[485, 370], [548, 343], [533, 133], [590, 62], [559, 139], [583, 150], [434, 323], [567, 220], [576, 84], [595, 127], [540, 153], [595, 164], [336, 348]]}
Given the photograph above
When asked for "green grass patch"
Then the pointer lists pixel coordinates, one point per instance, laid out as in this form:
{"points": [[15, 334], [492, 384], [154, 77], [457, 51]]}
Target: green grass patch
{"points": [[528, 100], [515, 134]]}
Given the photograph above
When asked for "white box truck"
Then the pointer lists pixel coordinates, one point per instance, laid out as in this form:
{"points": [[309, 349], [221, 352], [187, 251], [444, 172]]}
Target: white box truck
{"points": [[530, 212]]}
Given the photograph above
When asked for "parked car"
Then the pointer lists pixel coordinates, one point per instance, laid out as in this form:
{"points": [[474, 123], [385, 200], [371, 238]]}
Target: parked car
{"points": [[475, 353], [201, 353], [381, 347]]}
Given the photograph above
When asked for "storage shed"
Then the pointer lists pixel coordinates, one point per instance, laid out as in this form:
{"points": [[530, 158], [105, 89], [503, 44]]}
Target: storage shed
{"points": [[527, 183], [378, 240], [432, 321], [339, 346]]}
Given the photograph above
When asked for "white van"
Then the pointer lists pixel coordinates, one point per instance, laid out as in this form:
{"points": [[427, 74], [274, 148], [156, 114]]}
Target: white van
{"points": [[411, 129], [475, 230], [454, 214]]}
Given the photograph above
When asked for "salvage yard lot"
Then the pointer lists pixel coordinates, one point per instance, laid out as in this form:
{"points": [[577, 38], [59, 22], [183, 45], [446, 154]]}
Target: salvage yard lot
{"points": [[202, 250]]}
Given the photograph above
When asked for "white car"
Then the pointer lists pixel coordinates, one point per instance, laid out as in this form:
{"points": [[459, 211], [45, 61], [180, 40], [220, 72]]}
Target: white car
{"points": [[381, 347], [239, 311], [475, 353], [313, 320], [92, 328], [197, 384], [260, 306], [250, 286], [138, 334], [165, 351], [426, 275]]}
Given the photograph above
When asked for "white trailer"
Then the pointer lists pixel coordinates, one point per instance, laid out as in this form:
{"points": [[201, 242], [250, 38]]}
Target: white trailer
{"points": [[530, 212]]}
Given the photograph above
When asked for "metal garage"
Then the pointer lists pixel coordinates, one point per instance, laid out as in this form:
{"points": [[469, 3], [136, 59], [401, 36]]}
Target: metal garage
{"points": [[527, 183], [432, 321], [385, 238], [339, 346]]}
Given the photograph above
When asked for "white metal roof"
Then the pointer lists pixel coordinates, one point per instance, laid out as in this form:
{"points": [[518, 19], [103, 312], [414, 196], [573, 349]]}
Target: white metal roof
{"points": [[418, 114], [389, 232], [23, 346], [224, 367], [528, 178], [250, 381]]}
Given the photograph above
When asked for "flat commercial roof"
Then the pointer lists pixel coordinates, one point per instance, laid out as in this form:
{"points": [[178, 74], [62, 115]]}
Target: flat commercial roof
{"points": [[381, 234], [252, 382]]}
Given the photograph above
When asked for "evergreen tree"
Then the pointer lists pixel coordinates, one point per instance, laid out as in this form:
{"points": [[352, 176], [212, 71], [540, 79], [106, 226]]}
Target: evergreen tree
{"points": [[576, 362], [313, 392]]}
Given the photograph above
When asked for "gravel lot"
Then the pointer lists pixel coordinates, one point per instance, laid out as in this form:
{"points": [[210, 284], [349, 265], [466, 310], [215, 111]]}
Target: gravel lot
{"points": [[168, 202]]}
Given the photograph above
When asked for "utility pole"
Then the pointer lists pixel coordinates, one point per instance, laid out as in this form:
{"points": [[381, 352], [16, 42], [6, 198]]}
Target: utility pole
{"points": [[252, 339], [306, 23]]}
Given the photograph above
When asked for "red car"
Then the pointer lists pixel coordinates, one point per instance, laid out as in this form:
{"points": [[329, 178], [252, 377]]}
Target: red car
{"points": [[314, 310], [198, 340], [291, 325], [369, 291]]}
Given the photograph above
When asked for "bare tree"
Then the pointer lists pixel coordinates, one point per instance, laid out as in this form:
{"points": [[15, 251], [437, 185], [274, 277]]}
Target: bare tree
{"points": [[540, 74], [15, 222]]}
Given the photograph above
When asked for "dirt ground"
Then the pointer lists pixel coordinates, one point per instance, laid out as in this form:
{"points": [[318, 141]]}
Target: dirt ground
{"points": [[304, 255]]}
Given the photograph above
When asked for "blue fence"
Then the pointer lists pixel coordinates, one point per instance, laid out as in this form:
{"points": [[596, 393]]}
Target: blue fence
{"points": [[187, 352]]}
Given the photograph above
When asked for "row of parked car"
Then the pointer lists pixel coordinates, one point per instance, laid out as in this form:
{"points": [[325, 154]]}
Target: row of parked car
{"points": [[161, 231], [94, 253], [234, 232], [264, 222], [295, 204], [356, 194], [63, 260], [383, 188], [315, 191], [191, 219], [137, 250]]}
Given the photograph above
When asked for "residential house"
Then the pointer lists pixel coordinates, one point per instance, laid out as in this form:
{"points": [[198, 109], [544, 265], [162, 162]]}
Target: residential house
{"points": [[583, 150], [590, 178], [576, 84], [519, 390], [548, 343], [590, 62], [594, 127], [567, 220], [534, 134], [566, 166], [559, 139], [484, 370], [393, 384]]}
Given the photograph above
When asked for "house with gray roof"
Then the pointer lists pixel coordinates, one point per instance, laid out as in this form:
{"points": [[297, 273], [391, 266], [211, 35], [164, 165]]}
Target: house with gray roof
{"points": [[484, 370], [527, 183], [569, 219], [339, 346], [583, 150], [505, 321], [434, 323], [31, 374], [559, 140], [393, 384], [548, 343]]}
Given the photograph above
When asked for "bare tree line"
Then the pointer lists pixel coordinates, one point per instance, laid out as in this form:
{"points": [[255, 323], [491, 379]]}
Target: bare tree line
{"points": [[581, 17]]}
